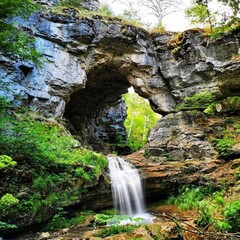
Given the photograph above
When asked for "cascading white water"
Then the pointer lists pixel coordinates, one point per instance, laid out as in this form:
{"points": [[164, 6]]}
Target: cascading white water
{"points": [[126, 186]]}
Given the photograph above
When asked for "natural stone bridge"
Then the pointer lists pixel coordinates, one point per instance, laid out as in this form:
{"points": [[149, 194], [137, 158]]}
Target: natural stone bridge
{"points": [[91, 62]]}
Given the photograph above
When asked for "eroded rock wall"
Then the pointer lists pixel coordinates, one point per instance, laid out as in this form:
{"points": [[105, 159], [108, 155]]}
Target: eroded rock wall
{"points": [[90, 63]]}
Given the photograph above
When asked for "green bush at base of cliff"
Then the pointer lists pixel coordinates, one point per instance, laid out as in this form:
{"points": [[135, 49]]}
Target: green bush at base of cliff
{"points": [[4, 225], [60, 221], [50, 167], [228, 213], [188, 197]]}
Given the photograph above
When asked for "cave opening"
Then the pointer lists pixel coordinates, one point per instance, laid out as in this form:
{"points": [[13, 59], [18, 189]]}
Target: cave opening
{"points": [[96, 113]]}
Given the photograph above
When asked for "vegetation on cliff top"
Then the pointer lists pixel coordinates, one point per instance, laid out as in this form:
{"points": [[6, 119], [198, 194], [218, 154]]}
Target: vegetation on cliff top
{"points": [[48, 167]]}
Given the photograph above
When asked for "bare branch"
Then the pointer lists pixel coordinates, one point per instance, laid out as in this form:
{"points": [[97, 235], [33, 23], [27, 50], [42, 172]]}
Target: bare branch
{"points": [[161, 8], [195, 230]]}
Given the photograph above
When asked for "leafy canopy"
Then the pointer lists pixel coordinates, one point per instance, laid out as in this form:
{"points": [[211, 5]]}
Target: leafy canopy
{"points": [[13, 40], [140, 119]]}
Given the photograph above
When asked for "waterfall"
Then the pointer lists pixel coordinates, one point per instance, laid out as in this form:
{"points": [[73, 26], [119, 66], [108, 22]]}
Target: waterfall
{"points": [[126, 186]]}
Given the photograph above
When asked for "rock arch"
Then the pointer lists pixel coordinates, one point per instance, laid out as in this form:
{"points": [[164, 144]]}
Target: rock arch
{"points": [[84, 53]]}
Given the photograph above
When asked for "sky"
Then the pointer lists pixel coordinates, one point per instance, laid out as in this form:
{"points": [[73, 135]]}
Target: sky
{"points": [[173, 22]]}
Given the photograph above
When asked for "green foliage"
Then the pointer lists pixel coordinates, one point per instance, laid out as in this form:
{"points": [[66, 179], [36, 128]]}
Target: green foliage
{"points": [[229, 104], [104, 9], [12, 40], [230, 137], [9, 8], [140, 119], [223, 145], [228, 213], [50, 160], [113, 230], [81, 173], [197, 101], [69, 3], [7, 201], [60, 221], [234, 4], [104, 219], [188, 197], [4, 225], [6, 161], [205, 211], [230, 26], [198, 13], [45, 142], [231, 217]]}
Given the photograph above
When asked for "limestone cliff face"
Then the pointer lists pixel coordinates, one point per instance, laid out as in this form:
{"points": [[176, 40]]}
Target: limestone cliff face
{"points": [[91, 62]]}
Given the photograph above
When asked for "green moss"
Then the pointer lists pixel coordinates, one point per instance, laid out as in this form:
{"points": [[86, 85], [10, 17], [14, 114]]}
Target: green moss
{"points": [[230, 104], [197, 101], [45, 141]]}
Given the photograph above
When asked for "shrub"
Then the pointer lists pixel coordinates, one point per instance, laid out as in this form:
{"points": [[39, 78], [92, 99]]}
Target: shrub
{"points": [[6, 161], [49, 158], [47, 143], [205, 211], [231, 215], [188, 198], [230, 137], [4, 225], [60, 221], [7, 201]]}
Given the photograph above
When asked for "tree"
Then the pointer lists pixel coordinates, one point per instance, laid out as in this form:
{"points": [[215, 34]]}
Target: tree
{"points": [[131, 13], [161, 8], [233, 4], [12, 39], [140, 119], [199, 13]]}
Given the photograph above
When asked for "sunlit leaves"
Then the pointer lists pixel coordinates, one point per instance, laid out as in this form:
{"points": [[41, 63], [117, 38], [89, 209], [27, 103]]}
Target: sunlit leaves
{"points": [[140, 120]]}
